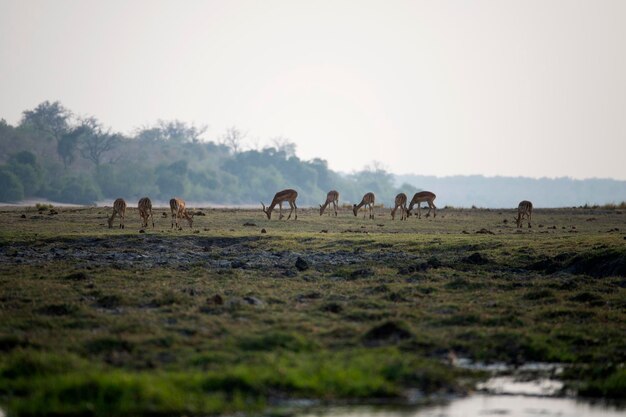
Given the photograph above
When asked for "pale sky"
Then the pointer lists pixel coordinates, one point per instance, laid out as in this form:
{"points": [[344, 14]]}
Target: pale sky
{"points": [[522, 88]]}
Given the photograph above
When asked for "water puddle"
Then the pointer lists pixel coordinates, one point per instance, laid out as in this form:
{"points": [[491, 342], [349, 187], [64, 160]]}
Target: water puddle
{"points": [[481, 405]]}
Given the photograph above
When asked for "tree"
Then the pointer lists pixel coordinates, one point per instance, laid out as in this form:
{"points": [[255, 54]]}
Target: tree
{"points": [[233, 139], [285, 145], [49, 118], [11, 188], [173, 130], [24, 166], [68, 144], [95, 141]]}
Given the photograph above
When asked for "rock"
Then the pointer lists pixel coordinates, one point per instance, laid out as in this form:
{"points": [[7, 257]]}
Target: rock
{"points": [[332, 308], [263, 231], [23, 216], [484, 231], [77, 276], [301, 264], [323, 231], [252, 301], [216, 299], [362, 273], [290, 273], [248, 224], [237, 264], [142, 231]]}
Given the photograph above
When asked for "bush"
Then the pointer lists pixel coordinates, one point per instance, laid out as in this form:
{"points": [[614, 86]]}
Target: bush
{"points": [[79, 191], [11, 188]]}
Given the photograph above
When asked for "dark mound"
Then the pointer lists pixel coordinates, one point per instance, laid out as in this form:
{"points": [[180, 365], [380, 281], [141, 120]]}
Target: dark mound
{"points": [[388, 332], [599, 265], [476, 259]]}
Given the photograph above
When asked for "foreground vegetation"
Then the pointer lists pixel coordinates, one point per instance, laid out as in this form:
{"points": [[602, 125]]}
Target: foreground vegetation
{"points": [[223, 317]]}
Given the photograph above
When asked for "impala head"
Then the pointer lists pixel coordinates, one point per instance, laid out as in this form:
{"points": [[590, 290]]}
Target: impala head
{"points": [[189, 216], [354, 209], [110, 221], [518, 220], [267, 211], [321, 209]]}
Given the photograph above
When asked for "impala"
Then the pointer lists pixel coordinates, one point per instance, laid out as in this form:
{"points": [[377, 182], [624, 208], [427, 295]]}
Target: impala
{"points": [[145, 211], [423, 197], [524, 209], [331, 197], [177, 206], [368, 200], [119, 208], [400, 202], [289, 196]]}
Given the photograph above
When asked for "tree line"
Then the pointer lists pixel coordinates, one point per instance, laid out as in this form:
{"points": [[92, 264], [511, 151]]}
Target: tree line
{"points": [[53, 154]]}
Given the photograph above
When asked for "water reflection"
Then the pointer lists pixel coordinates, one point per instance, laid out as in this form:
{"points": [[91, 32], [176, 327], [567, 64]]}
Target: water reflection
{"points": [[481, 405]]}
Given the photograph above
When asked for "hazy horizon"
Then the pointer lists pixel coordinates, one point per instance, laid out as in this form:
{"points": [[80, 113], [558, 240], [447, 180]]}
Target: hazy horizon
{"points": [[507, 88]]}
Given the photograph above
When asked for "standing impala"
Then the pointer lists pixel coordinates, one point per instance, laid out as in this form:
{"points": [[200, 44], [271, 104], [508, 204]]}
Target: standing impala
{"points": [[368, 200], [177, 206], [145, 211], [331, 197], [400, 202], [289, 196], [524, 209], [423, 197], [119, 208]]}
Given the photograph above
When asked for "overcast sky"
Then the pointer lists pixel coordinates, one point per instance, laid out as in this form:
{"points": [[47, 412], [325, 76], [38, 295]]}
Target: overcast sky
{"points": [[530, 88]]}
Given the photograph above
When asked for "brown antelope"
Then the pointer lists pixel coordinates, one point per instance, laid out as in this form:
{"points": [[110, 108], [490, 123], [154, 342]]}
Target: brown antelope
{"points": [[419, 198], [524, 209], [145, 211], [331, 197], [119, 208], [289, 196], [368, 200], [177, 206], [400, 202]]}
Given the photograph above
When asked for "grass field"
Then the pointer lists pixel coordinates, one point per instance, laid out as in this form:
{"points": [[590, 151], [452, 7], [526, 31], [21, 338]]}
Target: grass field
{"points": [[223, 318]]}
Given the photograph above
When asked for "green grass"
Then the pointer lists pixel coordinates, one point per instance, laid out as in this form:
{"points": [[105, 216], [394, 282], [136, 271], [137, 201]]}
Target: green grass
{"points": [[82, 331]]}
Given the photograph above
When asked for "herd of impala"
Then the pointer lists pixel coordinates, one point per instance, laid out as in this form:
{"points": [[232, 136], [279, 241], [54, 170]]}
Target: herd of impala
{"points": [[177, 206]]}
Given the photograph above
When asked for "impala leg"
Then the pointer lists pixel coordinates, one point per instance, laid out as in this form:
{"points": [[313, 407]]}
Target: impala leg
{"points": [[152, 218], [280, 211], [290, 211], [434, 210]]}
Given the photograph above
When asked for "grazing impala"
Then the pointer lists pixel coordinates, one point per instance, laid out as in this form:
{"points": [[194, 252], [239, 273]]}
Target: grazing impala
{"points": [[524, 209], [177, 206], [289, 196], [400, 202], [119, 208], [423, 197], [331, 197], [368, 200], [145, 211]]}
